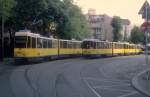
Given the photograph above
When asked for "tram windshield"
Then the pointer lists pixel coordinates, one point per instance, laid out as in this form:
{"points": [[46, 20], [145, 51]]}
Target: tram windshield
{"points": [[20, 41]]}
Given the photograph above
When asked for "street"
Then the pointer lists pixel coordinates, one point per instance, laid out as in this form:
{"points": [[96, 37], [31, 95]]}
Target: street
{"points": [[78, 77]]}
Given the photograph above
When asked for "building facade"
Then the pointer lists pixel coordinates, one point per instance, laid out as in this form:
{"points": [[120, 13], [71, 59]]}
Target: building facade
{"points": [[101, 28], [126, 29]]}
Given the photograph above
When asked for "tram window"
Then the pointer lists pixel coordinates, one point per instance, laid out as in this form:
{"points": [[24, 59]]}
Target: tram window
{"points": [[116, 46], [78, 45], [29, 42], [102, 45], [108, 45], [20, 41], [33, 42], [49, 43], [94, 45], [44, 43], [87, 44], [39, 43], [69, 44], [119, 46], [126, 46], [122, 46], [64, 44], [75, 44], [54, 44], [61, 44], [97, 44], [105, 45]]}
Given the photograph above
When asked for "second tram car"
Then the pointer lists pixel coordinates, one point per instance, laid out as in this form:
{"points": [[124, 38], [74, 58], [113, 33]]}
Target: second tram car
{"points": [[95, 48]]}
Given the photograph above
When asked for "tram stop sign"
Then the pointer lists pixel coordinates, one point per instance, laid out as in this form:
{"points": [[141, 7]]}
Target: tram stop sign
{"points": [[145, 26]]}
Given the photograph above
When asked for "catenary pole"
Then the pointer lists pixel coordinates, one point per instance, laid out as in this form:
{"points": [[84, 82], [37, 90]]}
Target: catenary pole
{"points": [[2, 39], [146, 40]]}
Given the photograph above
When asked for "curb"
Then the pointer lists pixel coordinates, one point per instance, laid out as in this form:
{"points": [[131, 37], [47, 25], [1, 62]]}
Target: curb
{"points": [[140, 84]]}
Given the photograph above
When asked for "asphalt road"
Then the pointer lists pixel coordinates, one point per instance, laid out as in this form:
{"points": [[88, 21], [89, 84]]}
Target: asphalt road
{"points": [[103, 77]]}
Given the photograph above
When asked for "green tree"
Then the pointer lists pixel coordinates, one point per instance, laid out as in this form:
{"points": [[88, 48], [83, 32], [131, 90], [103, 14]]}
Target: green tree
{"points": [[117, 27], [68, 18], [76, 26], [136, 35], [28, 11], [6, 8], [6, 11], [59, 18]]}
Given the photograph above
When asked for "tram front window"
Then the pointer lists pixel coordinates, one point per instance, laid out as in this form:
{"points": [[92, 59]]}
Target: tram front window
{"points": [[20, 41]]}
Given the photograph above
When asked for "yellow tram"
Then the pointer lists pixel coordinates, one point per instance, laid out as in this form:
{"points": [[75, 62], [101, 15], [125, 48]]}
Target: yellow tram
{"points": [[30, 46], [95, 48], [33, 46]]}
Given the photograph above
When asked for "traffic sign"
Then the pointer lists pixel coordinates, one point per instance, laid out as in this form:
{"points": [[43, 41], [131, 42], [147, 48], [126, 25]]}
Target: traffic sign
{"points": [[145, 11], [145, 26]]}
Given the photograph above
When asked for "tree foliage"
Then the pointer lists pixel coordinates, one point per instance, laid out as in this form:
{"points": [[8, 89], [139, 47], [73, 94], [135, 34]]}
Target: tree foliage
{"points": [[136, 35], [26, 11], [117, 27], [6, 8], [60, 18], [76, 25]]}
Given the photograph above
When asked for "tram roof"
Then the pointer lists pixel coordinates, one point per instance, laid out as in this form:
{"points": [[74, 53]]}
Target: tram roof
{"points": [[96, 40], [70, 40], [26, 33]]}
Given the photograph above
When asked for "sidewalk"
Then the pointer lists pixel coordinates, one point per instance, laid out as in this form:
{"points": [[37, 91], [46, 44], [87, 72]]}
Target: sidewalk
{"points": [[142, 82]]}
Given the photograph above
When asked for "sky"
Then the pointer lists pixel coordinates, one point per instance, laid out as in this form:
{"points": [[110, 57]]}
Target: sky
{"points": [[126, 9]]}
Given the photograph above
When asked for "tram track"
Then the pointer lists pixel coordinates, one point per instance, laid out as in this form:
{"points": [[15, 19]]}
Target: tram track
{"points": [[76, 78], [35, 90]]}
